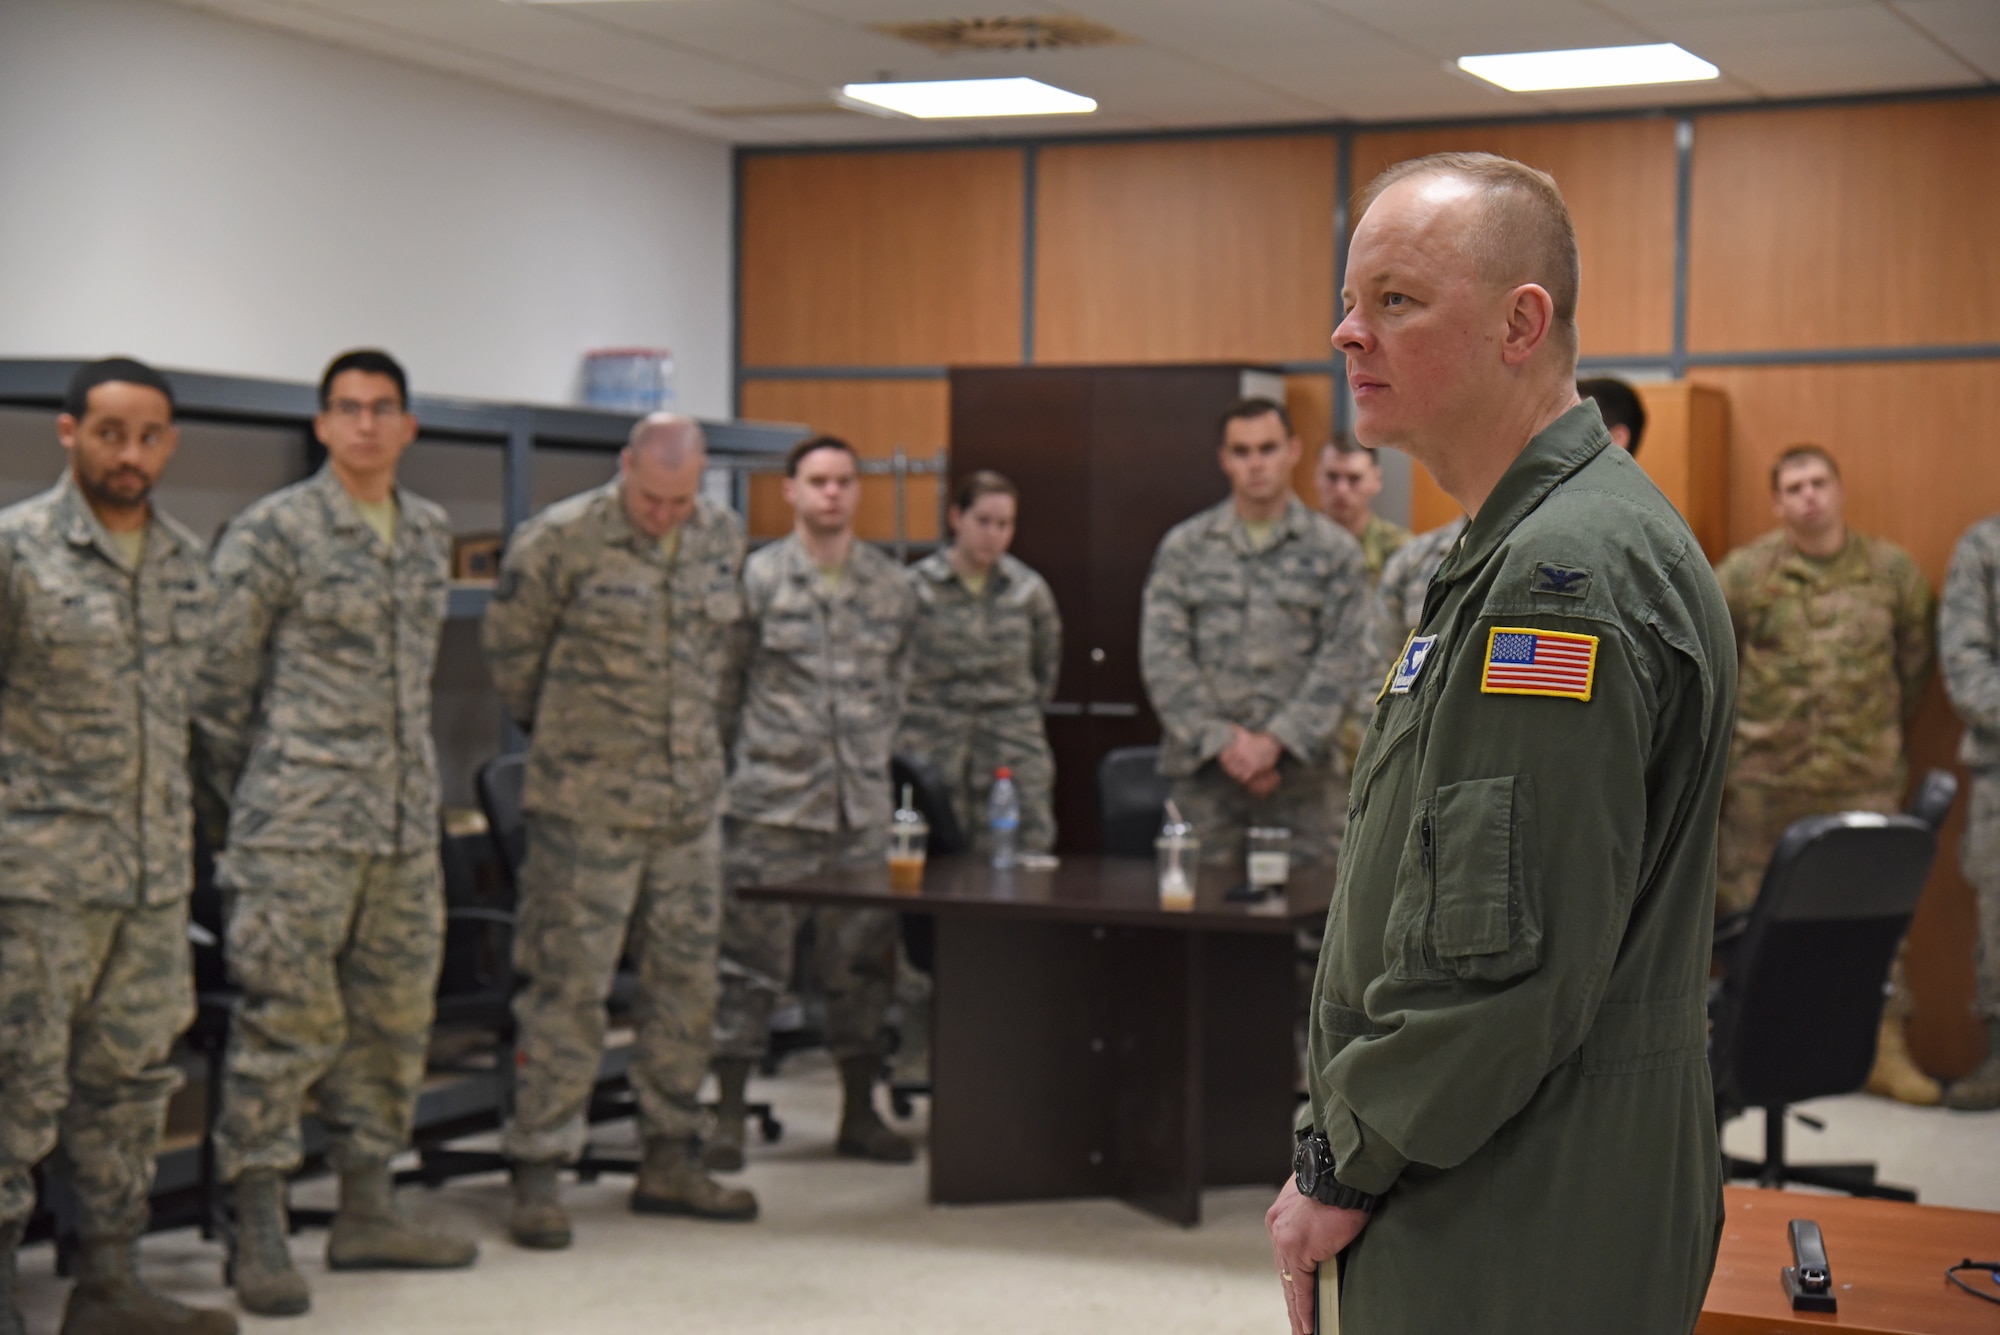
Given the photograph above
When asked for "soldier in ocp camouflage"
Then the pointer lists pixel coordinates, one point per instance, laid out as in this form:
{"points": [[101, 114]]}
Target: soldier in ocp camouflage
{"points": [[1834, 652], [984, 665], [1969, 648], [315, 718], [1277, 639], [826, 668], [612, 639], [100, 637]]}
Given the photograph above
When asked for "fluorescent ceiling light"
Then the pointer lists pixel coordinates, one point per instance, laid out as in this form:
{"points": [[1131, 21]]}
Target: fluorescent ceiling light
{"points": [[1593, 67], [964, 97]]}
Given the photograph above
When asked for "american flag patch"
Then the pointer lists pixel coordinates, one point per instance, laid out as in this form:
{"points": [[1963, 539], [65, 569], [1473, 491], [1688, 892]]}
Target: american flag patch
{"points": [[1520, 661]]}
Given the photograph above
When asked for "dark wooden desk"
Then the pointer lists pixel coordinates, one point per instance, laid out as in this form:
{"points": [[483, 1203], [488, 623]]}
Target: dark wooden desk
{"points": [[1085, 1042], [1888, 1261]]}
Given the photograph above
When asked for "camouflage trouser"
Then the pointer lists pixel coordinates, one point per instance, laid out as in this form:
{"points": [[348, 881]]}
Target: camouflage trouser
{"points": [[854, 950], [1221, 810], [1979, 856], [91, 1000], [337, 955], [586, 891], [967, 762], [1754, 818]]}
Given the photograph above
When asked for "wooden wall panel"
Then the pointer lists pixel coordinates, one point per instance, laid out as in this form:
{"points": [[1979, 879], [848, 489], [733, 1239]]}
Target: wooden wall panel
{"points": [[1686, 453], [1309, 400], [882, 259], [1618, 179], [1429, 506], [1197, 250], [1915, 444], [874, 416], [1864, 226]]}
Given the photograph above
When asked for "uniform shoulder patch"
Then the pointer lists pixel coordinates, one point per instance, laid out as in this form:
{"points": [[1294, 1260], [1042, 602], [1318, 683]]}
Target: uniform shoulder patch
{"points": [[1411, 664], [1567, 581], [1521, 660]]}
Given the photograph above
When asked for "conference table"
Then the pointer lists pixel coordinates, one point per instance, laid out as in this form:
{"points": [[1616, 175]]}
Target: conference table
{"points": [[1887, 1260], [1086, 1041]]}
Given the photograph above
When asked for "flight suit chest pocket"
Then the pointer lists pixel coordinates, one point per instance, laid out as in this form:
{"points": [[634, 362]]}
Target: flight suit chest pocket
{"points": [[1468, 897]]}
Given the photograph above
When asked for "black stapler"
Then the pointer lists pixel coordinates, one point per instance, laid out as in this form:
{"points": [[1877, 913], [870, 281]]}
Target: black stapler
{"points": [[1807, 1279]]}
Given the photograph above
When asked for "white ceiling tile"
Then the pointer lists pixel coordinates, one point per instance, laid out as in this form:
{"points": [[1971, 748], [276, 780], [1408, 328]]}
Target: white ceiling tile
{"points": [[1187, 63], [1970, 28], [1800, 53]]}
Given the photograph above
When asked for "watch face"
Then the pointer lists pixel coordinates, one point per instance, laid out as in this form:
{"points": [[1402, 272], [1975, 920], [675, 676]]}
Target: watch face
{"points": [[1307, 1168]]}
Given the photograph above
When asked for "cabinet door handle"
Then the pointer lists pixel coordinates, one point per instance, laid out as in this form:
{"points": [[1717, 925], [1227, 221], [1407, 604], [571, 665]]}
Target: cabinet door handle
{"points": [[1062, 709], [1111, 709]]}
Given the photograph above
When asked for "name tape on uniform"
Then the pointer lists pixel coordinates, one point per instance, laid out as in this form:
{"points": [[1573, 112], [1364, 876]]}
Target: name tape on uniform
{"points": [[1523, 661]]}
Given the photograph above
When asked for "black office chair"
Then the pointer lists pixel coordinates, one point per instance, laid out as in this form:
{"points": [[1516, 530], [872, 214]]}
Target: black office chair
{"points": [[1131, 800], [1804, 980]]}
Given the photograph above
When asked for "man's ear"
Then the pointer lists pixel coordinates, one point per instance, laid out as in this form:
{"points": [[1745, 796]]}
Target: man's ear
{"points": [[1531, 314]]}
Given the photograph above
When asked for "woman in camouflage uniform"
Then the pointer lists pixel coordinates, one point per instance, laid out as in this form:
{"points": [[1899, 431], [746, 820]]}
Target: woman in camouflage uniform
{"points": [[988, 642]]}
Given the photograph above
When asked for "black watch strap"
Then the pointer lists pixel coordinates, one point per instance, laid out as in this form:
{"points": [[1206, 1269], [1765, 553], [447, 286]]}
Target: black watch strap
{"points": [[1315, 1167]]}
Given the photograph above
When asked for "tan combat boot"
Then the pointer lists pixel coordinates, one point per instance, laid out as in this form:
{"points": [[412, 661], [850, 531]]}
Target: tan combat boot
{"points": [[863, 1133], [370, 1233], [1896, 1074], [538, 1220], [109, 1299], [724, 1151], [10, 1245], [260, 1265], [671, 1181], [1980, 1091]]}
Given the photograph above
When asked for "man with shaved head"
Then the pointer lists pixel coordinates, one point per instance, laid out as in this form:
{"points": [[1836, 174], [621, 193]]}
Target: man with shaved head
{"points": [[1510, 1126], [610, 638]]}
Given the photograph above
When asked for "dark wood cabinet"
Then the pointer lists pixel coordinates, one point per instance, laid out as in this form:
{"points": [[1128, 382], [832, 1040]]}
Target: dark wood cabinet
{"points": [[1107, 458]]}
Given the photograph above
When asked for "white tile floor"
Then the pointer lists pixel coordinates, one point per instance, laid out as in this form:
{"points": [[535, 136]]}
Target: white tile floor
{"points": [[845, 1247]]}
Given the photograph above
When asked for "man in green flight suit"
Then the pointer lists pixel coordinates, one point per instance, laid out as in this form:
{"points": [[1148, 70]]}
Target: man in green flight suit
{"points": [[1511, 1124]]}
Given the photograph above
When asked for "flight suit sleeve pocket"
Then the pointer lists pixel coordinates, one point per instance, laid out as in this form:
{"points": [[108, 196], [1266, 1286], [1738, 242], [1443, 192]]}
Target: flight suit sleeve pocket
{"points": [[1485, 919]]}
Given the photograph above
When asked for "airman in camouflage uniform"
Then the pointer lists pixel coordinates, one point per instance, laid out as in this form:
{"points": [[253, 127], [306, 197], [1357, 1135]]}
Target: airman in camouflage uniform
{"points": [[985, 664], [828, 634], [1405, 578], [1255, 640], [1969, 648], [315, 716], [610, 637], [101, 631], [1833, 635]]}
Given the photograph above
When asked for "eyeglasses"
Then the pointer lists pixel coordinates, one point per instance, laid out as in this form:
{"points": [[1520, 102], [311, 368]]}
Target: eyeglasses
{"points": [[353, 410]]}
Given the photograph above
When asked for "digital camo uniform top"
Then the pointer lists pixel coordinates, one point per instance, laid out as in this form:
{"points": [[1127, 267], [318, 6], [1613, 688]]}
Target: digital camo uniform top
{"points": [[1835, 656], [824, 678], [315, 708], [1279, 640], [616, 659], [1509, 1027], [984, 661], [97, 664], [1405, 577], [1969, 641]]}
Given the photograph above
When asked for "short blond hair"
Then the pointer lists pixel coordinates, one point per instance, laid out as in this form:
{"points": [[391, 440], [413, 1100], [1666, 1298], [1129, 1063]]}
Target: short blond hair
{"points": [[1524, 233]]}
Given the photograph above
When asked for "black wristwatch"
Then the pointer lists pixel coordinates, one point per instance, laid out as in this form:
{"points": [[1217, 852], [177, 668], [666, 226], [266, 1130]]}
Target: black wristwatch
{"points": [[1312, 1161]]}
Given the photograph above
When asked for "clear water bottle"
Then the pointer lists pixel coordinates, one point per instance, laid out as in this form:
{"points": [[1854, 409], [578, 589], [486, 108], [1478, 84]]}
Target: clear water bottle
{"points": [[1003, 816]]}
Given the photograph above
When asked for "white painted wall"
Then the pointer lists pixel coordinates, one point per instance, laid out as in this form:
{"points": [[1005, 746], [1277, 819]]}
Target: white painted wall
{"points": [[210, 195]]}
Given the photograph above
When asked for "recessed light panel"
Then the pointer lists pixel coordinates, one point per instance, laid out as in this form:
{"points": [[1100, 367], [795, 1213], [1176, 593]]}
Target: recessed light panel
{"points": [[965, 97], [1592, 67]]}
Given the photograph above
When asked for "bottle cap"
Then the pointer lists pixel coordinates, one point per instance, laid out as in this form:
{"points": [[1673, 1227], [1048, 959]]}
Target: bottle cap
{"points": [[1003, 773]]}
